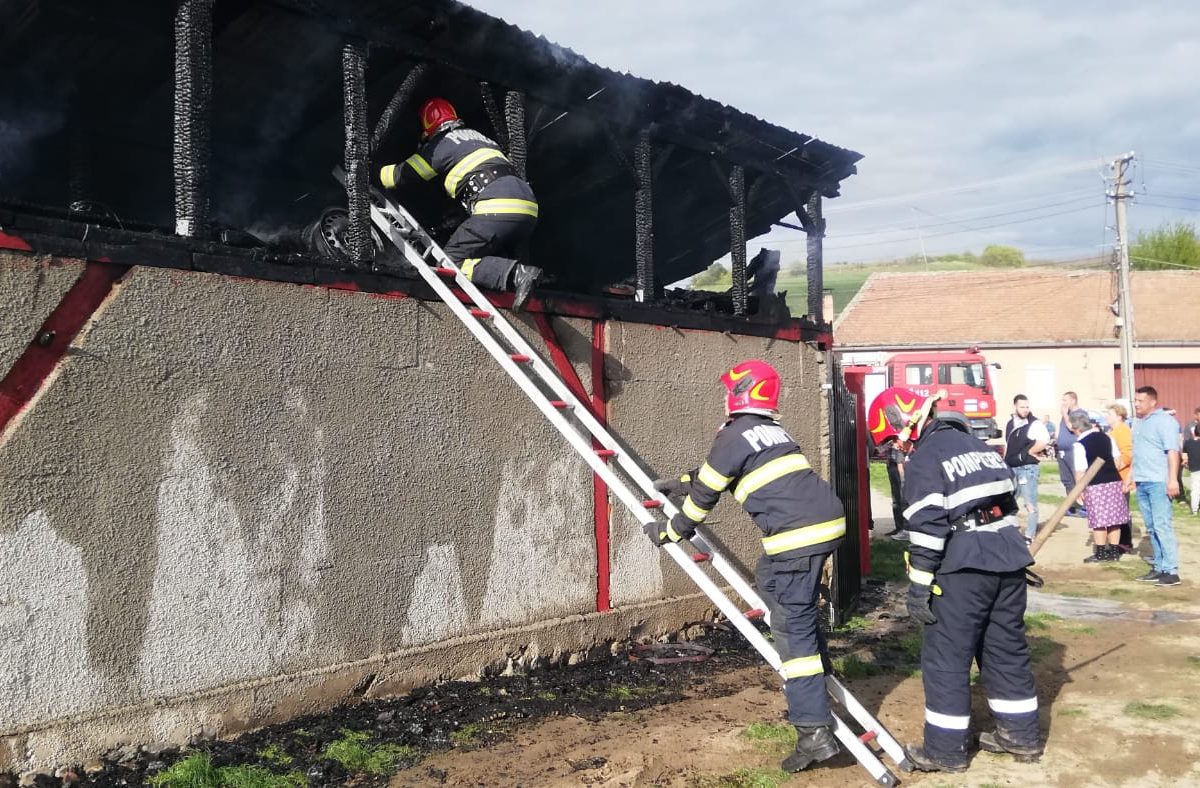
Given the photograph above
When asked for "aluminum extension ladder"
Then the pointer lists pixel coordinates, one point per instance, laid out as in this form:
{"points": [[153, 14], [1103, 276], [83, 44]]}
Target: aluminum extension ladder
{"points": [[577, 424]]}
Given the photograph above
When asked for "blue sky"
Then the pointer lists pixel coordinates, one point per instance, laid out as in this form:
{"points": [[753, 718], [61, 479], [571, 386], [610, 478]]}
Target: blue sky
{"points": [[981, 122]]}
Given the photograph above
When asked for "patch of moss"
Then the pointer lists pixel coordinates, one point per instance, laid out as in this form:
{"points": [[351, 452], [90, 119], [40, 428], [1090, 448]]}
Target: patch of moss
{"points": [[628, 692], [1151, 711], [354, 753], [1071, 711], [545, 695], [466, 734]]}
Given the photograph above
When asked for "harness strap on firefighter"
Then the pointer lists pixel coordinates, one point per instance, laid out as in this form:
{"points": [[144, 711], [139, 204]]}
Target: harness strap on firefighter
{"points": [[468, 163], [804, 536], [764, 475]]}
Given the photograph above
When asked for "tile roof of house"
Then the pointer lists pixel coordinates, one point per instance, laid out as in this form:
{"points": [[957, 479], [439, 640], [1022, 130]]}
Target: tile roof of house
{"points": [[1038, 306]]}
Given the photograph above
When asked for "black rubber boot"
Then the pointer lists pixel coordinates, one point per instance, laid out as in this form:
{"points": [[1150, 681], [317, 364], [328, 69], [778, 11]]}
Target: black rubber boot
{"points": [[1112, 552], [1097, 555], [996, 741], [524, 278], [812, 746], [927, 763]]}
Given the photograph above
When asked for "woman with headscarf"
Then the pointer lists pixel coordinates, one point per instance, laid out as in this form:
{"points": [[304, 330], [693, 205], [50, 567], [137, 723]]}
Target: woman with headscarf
{"points": [[1107, 506]]}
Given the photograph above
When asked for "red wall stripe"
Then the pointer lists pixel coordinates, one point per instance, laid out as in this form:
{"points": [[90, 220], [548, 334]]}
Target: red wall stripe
{"points": [[599, 488], [598, 405], [50, 343]]}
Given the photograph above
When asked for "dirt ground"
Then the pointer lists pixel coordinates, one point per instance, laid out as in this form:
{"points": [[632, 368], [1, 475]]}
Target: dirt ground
{"points": [[1116, 661]]}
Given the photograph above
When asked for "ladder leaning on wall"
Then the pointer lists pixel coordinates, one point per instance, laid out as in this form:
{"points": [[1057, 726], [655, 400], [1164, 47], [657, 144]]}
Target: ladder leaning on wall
{"points": [[633, 487]]}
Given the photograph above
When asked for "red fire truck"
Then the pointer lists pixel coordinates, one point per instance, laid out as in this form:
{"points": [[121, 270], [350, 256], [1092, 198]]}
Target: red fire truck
{"points": [[964, 376]]}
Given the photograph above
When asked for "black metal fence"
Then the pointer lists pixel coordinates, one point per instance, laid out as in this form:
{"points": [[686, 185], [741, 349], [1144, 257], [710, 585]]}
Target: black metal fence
{"points": [[845, 453]]}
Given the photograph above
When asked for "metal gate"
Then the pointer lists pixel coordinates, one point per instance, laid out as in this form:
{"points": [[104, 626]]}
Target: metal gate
{"points": [[845, 457]]}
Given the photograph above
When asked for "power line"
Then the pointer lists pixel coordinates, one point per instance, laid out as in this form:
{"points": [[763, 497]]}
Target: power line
{"points": [[1162, 262], [960, 232], [909, 197]]}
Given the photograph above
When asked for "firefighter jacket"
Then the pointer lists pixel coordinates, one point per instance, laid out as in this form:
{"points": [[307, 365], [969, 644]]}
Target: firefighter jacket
{"points": [[757, 460], [961, 511], [473, 170]]}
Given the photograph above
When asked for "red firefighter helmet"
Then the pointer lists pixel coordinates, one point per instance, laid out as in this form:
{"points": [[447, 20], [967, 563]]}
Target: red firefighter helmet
{"points": [[435, 113], [753, 387], [899, 413]]}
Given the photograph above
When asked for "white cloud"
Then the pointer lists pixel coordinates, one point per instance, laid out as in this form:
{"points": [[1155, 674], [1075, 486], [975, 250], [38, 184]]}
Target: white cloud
{"points": [[935, 94]]}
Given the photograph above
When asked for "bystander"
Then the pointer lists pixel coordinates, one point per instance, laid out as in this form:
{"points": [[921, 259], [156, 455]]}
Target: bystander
{"points": [[1155, 462], [1025, 439]]}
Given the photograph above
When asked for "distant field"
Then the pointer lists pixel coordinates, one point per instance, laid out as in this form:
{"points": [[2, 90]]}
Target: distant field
{"points": [[844, 279]]}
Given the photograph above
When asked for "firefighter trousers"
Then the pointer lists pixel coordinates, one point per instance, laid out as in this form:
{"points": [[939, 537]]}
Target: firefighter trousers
{"points": [[789, 589], [488, 247], [980, 616]]}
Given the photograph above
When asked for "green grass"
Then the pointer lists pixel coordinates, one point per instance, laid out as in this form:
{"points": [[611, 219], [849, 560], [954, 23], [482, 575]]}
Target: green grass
{"points": [[772, 733], [197, 771], [1194, 661], [854, 624], [911, 644], [852, 667], [354, 753], [627, 692], [273, 753], [466, 734], [1072, 711], [1082, 629], [1040, 620], [1151, 711], [1040, 648], [887, 559], [745, 778], [1119, 592], [545, 695], [879, 478]]}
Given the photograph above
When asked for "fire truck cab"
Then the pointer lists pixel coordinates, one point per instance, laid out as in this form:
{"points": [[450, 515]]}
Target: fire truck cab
{"points": [[965, 378]]}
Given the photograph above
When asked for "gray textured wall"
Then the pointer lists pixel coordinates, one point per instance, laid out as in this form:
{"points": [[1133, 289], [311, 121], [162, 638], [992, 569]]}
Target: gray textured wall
{"points": [[239, 500]]}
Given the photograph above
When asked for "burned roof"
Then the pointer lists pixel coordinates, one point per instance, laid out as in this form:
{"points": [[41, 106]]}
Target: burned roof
{"points": [[88, 108]]}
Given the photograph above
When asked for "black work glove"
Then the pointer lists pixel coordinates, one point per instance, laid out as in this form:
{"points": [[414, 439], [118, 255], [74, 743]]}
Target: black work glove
{"points": [[658, 533], [917, 603], [680, 486]]}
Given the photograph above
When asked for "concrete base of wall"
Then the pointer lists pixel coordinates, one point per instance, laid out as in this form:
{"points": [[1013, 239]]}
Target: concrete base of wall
{"points": [[236, 708]]}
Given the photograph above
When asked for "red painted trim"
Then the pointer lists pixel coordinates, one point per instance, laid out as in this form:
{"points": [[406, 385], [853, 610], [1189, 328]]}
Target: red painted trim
{"points": [[14, 242], [30, 372], [599, 488], [597, 404]]}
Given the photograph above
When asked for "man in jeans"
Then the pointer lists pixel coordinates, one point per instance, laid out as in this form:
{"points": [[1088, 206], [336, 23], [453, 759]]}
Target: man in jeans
{"points": [[1025, 440], [1155, 467], [1065, 443]]}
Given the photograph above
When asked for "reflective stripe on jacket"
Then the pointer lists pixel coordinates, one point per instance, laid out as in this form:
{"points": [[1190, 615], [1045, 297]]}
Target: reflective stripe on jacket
{"points": [[457, 153], [755, 458]]}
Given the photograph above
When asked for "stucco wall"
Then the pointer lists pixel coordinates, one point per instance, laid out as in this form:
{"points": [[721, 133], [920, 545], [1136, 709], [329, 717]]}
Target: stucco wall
{"points": [[240, 500]]}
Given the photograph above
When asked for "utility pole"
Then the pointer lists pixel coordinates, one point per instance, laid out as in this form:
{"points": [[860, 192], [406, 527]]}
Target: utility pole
{"points": [[1119, 195]]}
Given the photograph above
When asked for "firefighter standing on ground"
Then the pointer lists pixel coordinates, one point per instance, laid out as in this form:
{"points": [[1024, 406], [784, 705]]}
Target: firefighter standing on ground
{"points": [[802, 522], [966, 560], [489, 245]]}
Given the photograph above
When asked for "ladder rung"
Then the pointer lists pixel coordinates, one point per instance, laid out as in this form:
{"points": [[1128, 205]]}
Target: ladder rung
{"points": [[753, 613], [606, 453], [561, 404], [868, 737], [520, 358], [442, 270], [652, 504], [483, 314], [701, 557]]}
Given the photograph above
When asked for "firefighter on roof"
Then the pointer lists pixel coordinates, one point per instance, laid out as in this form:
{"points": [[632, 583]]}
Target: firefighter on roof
{"points": [[490, 244], [966, 563], [802, 522]]}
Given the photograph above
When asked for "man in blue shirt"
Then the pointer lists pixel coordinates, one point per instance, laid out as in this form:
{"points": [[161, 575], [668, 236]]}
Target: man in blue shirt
{"points": [[1155, 468]]}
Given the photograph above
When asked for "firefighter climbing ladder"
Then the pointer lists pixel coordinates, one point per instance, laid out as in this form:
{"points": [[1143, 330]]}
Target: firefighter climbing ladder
{"points": [[560, 406]]}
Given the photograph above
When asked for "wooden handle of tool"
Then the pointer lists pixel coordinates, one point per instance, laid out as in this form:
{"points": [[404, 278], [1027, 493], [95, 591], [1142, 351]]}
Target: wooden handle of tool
{"points": [[1047, 528]]}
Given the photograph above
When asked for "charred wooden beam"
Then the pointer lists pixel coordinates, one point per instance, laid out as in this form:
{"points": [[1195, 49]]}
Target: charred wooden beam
{"points": [[814, 224], [193, 119], [643, 155], [400, 100], [357, 152], [514, 114], [737, 237]]}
